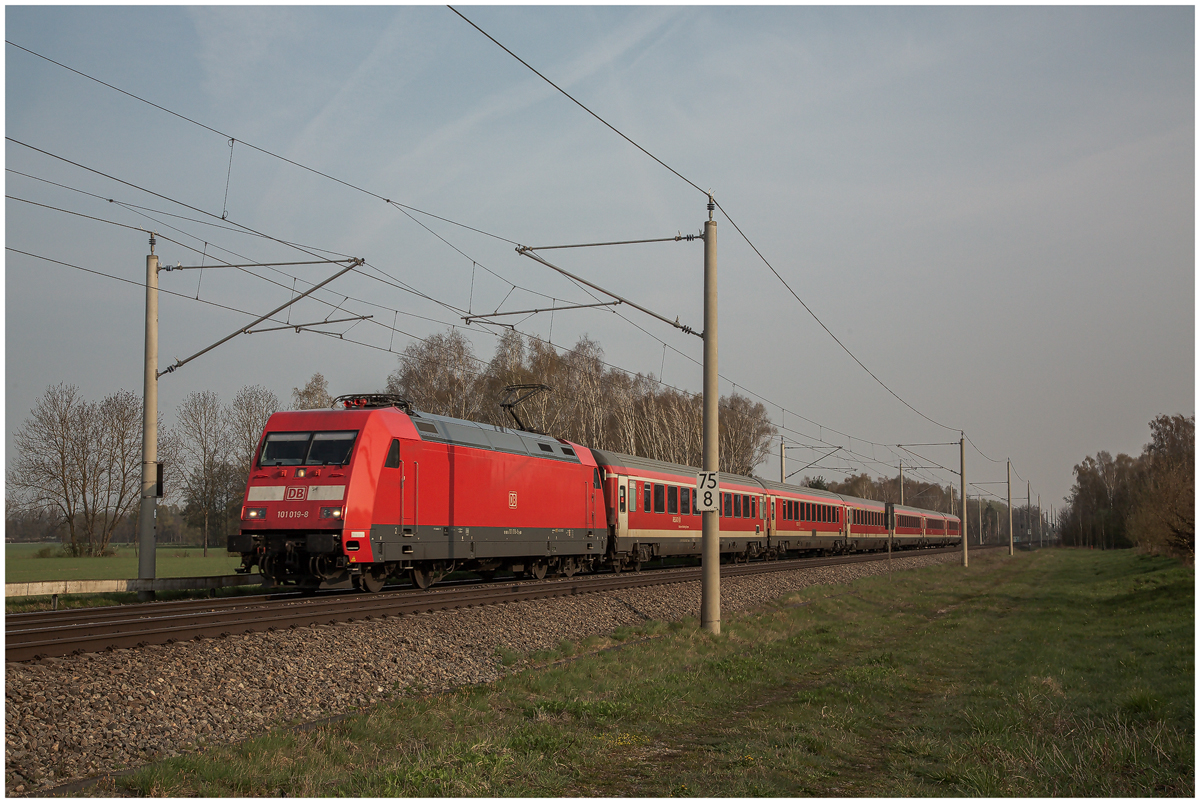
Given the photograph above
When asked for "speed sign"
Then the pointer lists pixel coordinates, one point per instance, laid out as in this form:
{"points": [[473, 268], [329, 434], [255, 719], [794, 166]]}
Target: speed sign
{"points": [[708, 493]]}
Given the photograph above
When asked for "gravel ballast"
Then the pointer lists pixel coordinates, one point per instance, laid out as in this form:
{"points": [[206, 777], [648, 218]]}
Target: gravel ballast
{"points": [[86, 715]]}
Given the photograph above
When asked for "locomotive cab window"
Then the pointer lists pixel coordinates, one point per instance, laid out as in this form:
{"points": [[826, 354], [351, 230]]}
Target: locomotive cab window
{"points": [[393, 455], [307, 448], [596, 479]]}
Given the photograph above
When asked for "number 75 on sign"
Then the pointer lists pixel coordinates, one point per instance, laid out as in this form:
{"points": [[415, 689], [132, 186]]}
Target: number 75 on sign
{"points": [[708, 492]]}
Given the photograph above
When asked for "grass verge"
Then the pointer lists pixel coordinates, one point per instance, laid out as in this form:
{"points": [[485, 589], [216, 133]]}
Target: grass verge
{"points": [[1058, 673]]}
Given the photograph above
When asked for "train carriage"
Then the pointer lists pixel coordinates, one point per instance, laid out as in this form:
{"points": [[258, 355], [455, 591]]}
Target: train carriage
{"points": [[867, 521], [653, 510], [806, 519]]}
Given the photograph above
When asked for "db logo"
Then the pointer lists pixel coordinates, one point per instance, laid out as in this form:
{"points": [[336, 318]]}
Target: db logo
{"points": [[512, 498], [296, 494]]}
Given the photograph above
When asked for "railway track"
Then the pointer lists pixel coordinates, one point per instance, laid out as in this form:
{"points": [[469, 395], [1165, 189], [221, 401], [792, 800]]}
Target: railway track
{"points": [[30, 636]]}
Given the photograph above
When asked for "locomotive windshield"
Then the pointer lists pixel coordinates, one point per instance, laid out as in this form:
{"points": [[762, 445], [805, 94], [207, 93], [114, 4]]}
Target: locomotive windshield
{"points": [[307, 449]]}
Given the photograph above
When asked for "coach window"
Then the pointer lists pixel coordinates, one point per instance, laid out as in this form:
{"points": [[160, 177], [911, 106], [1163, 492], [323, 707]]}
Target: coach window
{"points": [[672, 499], [393, 457], [737, 506], [622, 495], [685, 501], [727, 499], [646, 496], [660, 498], [754, 507]]}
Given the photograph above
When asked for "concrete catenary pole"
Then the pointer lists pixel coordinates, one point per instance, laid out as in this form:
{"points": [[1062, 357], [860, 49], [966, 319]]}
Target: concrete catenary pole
{"points": [[149, 505], [710, 573], [979, 534], [962, 466], [782, 462], [1010, 531], [1028, 514], [1040, 543], [902, 483]]}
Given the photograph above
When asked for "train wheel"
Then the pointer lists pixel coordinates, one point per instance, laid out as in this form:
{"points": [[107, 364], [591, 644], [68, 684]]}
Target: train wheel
{"points": [[371, 580], [422, 577], [569, 567], [538, 570]]}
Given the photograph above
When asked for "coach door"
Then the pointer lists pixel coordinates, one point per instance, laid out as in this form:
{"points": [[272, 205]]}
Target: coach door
{"points": [[623, 496]]}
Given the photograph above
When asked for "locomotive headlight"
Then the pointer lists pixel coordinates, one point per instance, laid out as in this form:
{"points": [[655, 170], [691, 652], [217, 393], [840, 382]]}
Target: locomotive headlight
{"points": [[331, 512], [301, 472], [254, 513]]}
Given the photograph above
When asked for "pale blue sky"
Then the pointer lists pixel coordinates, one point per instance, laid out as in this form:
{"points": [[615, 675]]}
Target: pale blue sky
{"points": [[992, 207]]}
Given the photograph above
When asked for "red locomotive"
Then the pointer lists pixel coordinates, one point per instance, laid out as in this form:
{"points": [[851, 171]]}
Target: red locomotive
{"points": [[376, 489]]}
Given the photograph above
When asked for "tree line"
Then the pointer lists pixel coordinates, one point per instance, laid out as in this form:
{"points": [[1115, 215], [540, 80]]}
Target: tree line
{"points": [[77, 473], [77, 470], [1147, 501], [590, 403]]}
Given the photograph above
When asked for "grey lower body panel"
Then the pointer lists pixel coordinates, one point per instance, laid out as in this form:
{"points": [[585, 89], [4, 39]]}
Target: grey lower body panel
{"points": [[391, 543]]}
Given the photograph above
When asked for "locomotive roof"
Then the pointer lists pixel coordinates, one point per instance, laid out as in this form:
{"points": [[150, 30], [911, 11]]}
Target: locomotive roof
{"points": [[462, 432]]}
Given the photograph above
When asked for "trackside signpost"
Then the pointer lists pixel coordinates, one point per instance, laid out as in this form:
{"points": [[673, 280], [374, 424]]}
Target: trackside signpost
{"points": [[707, 491]]}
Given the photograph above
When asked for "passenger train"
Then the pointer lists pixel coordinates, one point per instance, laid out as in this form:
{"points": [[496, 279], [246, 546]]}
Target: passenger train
{"points": [[374, 489]]}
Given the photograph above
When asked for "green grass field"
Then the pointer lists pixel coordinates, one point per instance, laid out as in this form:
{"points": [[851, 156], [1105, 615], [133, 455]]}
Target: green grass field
{"points": [[1056, 673], [21, 565]]}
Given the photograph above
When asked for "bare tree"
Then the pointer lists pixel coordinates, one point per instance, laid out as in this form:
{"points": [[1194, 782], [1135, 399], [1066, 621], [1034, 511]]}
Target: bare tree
{"points": [[745, 434], [206, 446], [248, 415], [81, 460], [313, 396], [589, 407], [507, 367], [440, 375]]}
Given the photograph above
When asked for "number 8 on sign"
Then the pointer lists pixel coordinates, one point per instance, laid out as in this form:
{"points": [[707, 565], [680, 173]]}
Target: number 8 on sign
{"points": [[708, 492]]}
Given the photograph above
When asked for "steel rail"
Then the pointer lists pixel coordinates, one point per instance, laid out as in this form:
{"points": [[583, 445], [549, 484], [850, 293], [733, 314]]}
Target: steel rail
{"points": [[50, 634]]}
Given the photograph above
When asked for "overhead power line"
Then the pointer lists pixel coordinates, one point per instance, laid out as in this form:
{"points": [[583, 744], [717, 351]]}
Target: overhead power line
{"points": [[263, 151], [406, 208], [738, 228], [577, 103]]}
